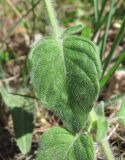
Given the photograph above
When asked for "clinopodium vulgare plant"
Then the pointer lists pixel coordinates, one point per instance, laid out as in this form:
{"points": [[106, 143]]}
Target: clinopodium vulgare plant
{"points": [[65, 73]]}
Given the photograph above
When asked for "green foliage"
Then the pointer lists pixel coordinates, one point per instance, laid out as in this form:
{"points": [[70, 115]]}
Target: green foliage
{"points": [[23, 118], [106, 149], [102, 128], [59, 144], [111, 71], [10, 99], [86, 33], [96, 11], [4, 56], [116, 42], [121, 113], [99, 109], [72, 30], [64, 74], [23, 121], [108, 23], [99, 123]]}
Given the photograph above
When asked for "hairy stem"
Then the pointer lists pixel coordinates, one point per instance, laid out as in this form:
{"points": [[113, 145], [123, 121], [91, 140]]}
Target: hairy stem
{"points": [[106, 149], [52, 17]]}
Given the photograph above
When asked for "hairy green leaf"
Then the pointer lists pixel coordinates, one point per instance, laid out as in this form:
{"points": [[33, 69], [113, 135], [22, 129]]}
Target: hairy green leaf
{"points": [[23, 121], [23, 118], [11, 100], [102, 128], [65, 75], [100, 109], [86, 33], [99, 123], [72, 30], [58, 144]]}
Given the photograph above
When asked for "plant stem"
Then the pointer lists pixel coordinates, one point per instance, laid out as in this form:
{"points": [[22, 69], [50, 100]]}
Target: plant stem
{"points": [[52, 17], [106, 149]]}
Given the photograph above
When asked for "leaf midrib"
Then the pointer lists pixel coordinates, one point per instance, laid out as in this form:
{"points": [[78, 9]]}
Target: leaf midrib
{"points": [[71, 145]]}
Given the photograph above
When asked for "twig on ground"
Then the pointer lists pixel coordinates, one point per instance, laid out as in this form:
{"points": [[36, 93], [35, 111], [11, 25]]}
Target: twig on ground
{"points": [[112, 132], [9, 79]]}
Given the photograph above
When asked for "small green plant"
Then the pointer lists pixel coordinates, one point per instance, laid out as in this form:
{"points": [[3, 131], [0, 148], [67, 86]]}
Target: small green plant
{"points": [[65, 73], [68, 73]]}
